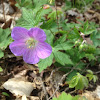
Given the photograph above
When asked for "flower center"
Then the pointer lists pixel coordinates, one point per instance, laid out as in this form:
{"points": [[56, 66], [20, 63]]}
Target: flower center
{"points": [[31, 43]]}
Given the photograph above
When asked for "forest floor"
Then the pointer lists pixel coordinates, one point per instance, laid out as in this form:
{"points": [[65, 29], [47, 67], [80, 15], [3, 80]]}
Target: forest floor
{"points": [[39, 85]]}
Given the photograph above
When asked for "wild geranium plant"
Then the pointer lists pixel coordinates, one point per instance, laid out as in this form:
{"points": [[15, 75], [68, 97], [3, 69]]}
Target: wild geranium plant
{"points": [[45, 36], [30, 44]]}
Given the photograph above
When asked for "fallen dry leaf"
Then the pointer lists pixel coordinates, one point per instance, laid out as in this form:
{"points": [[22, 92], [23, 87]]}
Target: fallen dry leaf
{"points": [[90, 95], [97, 92], [72, 13], [19, 86], [24, 97], [7, 8]]}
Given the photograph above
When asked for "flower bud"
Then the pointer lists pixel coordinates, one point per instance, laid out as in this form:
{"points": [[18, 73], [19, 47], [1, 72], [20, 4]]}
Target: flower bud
{"points": [[46, 6]]}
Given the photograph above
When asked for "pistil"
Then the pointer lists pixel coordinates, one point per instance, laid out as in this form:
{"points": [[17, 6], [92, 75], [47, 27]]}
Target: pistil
{"points": [[31, 43]]}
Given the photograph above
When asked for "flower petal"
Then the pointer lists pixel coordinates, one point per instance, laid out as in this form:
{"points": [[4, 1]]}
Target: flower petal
{"points": [[43, 50], [19, 33], [37, 34], [30, 56], [17, 48]]}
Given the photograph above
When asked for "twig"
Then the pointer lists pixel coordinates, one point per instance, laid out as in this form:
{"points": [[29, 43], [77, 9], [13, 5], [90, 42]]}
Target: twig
{"points": [[51, 32], [72, 91], [44, 89], [15, 15], [85, 68], [56, 15], [51, 75], [32, 2], [97, 72], [66, 89], [74, 68], [3, 11], [84, 4]]}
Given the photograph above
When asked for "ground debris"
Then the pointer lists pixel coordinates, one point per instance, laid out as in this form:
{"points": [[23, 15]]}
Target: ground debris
{"points": [[7, 8], [89, 96], [19, 86]]}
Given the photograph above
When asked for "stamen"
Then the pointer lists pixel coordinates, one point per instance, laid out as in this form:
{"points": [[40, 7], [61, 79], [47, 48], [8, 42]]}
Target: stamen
{"points": [[31, 43]]}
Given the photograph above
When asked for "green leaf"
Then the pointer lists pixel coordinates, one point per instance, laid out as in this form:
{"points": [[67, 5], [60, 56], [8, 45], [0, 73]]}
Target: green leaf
{"points": [[71, 75], [95, 78], [85, 81], [1, 69], [96, 43], [38, 16], [74, 81], [90, 71], [61, 39], [62, 58], [63, 46], [91, 76], [54, 98], [89, 31], [39, 3], [75, 53], [86, 25], [63, 32], [74, 35], [54, 14], [44, 63], [95, 37], [90, 57], [22, 23], [79, 82], [65, 96], [30, 18], [76, 97], [5, 38], [89, 49], [49, 24], [24, 3], [97, 51], [6, 94], [76, 31], [50, 37]]}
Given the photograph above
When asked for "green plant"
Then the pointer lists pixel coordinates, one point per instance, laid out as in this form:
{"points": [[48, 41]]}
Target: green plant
{"points": [[80, 4], [78, 81], [5, 94], [69, 46], [5, 40], [1, 69], [91, 76], [65, 96]]}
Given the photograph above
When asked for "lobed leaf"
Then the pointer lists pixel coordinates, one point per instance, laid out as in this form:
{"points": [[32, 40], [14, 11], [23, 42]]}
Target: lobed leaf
{"points": [[78, 81], [63, 46], [44, 63], [62, 58], [65, 96]]}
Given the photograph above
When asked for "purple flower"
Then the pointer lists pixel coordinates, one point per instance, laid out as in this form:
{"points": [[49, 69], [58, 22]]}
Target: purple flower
{"points": [[30, 44]]}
